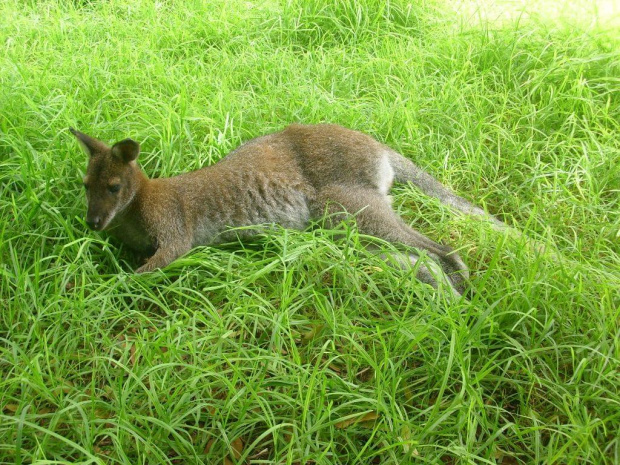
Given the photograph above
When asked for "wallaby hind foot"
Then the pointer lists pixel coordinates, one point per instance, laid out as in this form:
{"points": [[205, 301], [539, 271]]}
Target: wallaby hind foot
{"points": [[375, 217]]}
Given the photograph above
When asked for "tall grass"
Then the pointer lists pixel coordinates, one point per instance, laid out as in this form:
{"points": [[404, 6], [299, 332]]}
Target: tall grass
{"points": [[303, 348]]}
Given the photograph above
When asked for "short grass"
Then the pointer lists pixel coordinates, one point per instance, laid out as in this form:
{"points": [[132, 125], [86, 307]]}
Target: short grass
{"points": [[302, 348]]}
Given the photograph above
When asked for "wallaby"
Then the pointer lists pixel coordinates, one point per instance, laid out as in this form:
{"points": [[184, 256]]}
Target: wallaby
{"points": [[289, 178]]}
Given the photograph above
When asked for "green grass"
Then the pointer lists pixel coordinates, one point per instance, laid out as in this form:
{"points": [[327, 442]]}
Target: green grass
{"points": [[273, 349]]}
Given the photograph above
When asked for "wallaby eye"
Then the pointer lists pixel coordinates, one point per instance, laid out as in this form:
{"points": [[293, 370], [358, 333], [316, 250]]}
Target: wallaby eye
{"points": [[114, 188]]}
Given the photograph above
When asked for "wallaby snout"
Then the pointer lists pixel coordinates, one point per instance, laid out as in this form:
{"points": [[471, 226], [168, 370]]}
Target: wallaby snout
{"points": [[99, 214], [93, 222], [95, 219]]}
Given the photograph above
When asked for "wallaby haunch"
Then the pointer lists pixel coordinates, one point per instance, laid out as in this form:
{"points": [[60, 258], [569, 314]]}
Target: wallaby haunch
{"points": [[290, 178]]}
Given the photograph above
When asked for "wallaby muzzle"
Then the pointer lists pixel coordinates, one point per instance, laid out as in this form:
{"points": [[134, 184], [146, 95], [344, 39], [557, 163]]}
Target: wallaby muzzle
{"points": [[93, 222], [96, 217]]}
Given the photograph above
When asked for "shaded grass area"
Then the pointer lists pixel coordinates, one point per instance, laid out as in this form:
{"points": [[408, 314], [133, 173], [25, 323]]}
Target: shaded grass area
{"points": [[302, 347]]}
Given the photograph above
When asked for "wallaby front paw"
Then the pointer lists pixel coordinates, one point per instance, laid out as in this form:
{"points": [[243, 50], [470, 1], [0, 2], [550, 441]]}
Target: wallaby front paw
{"points": [[146, 268]]}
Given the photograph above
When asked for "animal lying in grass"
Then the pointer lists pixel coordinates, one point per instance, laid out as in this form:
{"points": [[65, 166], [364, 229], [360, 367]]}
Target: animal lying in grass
{"points": [[289, 178]]}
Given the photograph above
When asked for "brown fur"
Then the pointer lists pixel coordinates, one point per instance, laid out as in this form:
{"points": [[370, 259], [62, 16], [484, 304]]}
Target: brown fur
{"points": [[289, 178]]}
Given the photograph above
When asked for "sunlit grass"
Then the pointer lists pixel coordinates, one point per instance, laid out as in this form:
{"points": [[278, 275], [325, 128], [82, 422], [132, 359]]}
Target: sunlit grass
{"points": [[302, 347]]}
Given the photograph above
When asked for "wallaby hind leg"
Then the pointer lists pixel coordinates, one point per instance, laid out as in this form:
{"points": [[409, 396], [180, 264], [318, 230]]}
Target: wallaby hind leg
{"points": [[406, 171], [375, 217]]}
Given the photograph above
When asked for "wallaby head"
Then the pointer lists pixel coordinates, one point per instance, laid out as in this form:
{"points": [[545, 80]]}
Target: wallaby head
{"points": [[112, 178]]}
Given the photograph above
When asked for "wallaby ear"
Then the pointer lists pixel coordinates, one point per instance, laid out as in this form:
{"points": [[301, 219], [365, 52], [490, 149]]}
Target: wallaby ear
{"points": [[126, 150], [90, 145]]}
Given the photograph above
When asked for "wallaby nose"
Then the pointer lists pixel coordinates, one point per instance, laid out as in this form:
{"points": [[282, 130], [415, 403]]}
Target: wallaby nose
{"points": [[93, 222]]}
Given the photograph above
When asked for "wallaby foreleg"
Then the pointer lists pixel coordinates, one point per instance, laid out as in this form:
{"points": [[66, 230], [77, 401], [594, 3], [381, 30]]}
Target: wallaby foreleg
{"points": [[163, 256]]}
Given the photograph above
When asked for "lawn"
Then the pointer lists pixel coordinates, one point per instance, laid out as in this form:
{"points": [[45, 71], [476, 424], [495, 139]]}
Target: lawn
{"points": [[302, 347]]}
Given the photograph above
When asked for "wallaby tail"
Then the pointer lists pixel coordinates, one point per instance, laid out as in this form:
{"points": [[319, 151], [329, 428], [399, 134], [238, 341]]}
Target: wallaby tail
{"points": [[406, 171]]}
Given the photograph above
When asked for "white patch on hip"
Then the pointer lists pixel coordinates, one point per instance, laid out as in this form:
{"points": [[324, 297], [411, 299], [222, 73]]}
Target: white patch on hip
{"points": [[385, 174]]}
